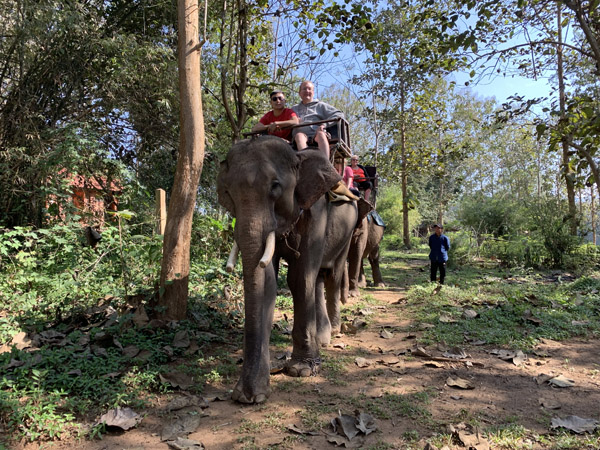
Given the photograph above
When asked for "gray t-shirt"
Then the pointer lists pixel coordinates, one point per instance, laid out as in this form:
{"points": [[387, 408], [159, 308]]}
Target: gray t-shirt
{"points": [[313, 112]]}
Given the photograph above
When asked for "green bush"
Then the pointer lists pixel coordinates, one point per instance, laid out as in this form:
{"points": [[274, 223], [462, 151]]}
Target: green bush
{"points": [[50, 273], [462, 248], [389, 207], [498, 216], [549, 223], [515, 251]]}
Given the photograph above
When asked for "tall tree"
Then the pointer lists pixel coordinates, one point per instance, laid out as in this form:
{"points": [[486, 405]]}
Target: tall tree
{"points": [[174, 277]]}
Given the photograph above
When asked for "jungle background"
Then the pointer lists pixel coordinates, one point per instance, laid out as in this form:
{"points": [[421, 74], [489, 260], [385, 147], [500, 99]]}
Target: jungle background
{"points": [[89, 89]]}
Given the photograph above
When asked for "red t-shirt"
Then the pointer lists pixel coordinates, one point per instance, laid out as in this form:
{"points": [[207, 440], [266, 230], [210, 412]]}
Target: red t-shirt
{"points": [[359, 174], [286, 114]]}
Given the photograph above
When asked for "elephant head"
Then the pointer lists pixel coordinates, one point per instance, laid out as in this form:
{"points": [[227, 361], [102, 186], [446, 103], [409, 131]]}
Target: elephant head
{"points": [[265, 185]]}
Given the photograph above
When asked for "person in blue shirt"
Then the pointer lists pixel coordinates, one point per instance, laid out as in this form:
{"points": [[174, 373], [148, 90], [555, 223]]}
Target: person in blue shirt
{"points": [[439, 245]]}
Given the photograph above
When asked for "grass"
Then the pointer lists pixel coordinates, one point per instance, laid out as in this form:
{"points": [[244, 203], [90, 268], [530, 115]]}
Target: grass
{"points": [[388, 406], [516, 314]]}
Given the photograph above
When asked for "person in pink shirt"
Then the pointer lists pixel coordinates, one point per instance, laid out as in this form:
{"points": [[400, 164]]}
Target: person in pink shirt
{"points": [[278, 121], [347, 175]]}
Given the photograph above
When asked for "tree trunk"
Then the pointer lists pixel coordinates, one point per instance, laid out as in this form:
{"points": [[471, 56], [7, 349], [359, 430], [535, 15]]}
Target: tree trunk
{"points": [[593, 214], [175, 268], [567, 171], [404, 175]]}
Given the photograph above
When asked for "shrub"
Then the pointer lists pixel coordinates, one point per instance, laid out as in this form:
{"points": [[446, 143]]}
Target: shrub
{"points": [[462, 248], [389, 206]]}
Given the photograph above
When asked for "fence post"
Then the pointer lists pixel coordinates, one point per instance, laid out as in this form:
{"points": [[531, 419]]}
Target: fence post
{"points": [[161, 211]]}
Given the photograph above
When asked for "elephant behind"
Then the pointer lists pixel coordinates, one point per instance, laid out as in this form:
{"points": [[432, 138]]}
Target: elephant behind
{"points": [[365, 243], [277, 197]]}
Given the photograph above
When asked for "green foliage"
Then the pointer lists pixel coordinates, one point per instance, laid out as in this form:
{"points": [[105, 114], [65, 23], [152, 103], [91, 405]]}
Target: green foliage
{"points": [[515, 251], [462, 248], [550, 224], [488, 215], [389, 206], [52, 273]]}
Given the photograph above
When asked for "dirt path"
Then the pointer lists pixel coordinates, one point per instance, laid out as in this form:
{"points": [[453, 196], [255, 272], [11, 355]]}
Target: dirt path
{"points": [[379, 371]]}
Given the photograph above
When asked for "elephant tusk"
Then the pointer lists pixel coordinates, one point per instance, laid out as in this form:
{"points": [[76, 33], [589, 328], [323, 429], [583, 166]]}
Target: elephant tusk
{"points": [[269, 250], [233, 254]]}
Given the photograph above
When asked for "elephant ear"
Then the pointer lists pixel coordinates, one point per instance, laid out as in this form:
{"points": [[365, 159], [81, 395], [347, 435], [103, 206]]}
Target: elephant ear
{"points": [[316, 176], [224, 198]]}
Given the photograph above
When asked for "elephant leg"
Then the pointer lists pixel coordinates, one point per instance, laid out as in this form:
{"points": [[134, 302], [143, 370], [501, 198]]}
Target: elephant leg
{"points": [[260, 294], [362, 280], [334, 286], [374, 260], [344, 287], [354, 255], [305, 353], [322, 309]]}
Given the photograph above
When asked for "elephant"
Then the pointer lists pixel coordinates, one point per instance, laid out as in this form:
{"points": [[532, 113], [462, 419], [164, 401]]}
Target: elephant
{"points": [[277, 196], [365, 243]]}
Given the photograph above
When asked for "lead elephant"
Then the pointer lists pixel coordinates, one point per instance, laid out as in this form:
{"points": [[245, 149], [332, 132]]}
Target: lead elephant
{"points": [[277, 197], [364, 243]]}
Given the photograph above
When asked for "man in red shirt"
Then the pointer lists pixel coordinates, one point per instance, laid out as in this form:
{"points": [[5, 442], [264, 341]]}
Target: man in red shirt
{"points": [[278, 121], [360, 177]]}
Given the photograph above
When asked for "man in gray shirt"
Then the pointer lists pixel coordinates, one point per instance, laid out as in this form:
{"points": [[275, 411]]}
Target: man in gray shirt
{"points": [[313, 110]]}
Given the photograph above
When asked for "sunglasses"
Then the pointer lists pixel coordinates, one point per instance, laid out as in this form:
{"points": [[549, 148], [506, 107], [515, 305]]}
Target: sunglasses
{"points": [[274, 99]]}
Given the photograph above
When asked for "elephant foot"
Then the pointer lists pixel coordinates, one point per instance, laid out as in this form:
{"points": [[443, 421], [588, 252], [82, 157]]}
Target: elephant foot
{"points": [[362, 283], [380, 284], [303, 367], [353, 293], [324, 339], [335, 330], [254, 395]]}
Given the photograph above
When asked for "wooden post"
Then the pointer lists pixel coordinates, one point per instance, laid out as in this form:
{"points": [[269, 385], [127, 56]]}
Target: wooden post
{"points": [[161, 211]]}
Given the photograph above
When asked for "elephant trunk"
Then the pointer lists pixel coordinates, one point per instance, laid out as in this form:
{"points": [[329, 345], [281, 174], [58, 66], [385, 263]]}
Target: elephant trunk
{"points": [[260, 290], [264, 261]]}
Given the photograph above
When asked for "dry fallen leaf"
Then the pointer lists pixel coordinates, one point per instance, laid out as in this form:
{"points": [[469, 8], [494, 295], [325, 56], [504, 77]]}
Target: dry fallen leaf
{"points": [[576, 424], [455, 353], [420, 351], [180, 426], [385, 334], [181, 339], [470, 314], [549, 403], [185, 444], [177, 379], [471, 441], [561, 382], [124, 418], [433, 364], [361, 362], [459, 383], [445, 318]]}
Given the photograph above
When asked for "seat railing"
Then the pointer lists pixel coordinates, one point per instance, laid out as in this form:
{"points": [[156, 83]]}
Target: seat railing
{"points": [[339, 131]]}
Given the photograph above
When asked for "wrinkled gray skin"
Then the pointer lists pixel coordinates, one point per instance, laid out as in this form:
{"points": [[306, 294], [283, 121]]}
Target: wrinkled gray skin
{"points": [[267, 186], [364, 243]]}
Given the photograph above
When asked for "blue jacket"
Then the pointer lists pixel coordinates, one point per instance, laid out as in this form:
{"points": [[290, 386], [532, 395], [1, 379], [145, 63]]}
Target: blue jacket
{"points": [[439, 246]]}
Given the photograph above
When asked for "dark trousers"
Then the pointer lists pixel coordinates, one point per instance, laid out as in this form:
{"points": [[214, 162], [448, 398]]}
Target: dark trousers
{"points": [[435, 265]]}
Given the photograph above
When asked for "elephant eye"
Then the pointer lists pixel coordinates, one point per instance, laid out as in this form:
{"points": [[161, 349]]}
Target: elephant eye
{"points": [[275, 187]]}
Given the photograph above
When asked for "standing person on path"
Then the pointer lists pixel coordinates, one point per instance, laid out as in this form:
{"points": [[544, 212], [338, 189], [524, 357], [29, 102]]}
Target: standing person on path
{"points": [[439, 245]]}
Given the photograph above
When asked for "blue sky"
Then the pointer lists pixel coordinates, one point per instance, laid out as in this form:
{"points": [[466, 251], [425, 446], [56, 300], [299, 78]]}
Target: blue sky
{"points": [[503, 87]]}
